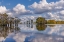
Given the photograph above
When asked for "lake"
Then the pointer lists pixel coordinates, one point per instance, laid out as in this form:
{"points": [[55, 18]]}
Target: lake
{"points": [[32, 33]]}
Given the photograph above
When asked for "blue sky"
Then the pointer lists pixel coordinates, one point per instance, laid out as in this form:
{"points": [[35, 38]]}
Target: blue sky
{"points": [[50, 9], [11, 3]]}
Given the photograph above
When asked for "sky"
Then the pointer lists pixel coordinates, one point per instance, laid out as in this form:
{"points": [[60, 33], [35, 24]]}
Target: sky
{"points": [[11, 3], [50, 9]]}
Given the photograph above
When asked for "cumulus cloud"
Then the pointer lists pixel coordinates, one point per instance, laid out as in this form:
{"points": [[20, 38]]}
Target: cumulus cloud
{"points": [[20, 9], [49, 10], [10, 14], [62, 12], [52, 10], [17, 11], [3, 9], [43, 6]]}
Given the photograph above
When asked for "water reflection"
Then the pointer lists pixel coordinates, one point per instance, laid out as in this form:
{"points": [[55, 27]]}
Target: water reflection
{"points": [[29, 25], [4, 31], [51, 25], [36, 33], [41, 27]]}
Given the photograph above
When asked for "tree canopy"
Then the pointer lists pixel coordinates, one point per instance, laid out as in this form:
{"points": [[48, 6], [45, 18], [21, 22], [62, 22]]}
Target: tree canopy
{"points": [[51, 22], [41, 20], [5, 19]]}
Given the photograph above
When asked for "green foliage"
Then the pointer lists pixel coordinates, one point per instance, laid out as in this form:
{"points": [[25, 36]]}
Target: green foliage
{"points": [[51, 25], [41, 27], [41, 20], [5, 19], [59, 22], [51, 22]]}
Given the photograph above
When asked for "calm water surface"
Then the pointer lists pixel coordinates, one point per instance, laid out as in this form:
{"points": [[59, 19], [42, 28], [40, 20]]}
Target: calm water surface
{"points": [[32, 33]]}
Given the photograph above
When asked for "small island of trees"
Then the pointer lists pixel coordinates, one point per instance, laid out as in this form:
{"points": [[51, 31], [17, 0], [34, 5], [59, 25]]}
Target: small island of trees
{"points": [[41, 20]]}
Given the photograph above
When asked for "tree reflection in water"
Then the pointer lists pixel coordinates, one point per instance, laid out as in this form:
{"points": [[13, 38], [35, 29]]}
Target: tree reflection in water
{"points": [[41, 27], [4, 30], [51, 25], [29, 25]]}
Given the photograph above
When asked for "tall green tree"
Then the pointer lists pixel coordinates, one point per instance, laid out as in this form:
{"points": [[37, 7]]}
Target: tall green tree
{"points": [[41, 20]]}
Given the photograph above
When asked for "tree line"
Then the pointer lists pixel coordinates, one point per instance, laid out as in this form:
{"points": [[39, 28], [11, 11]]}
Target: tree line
{"points": [[41, 20], [6, 20]]}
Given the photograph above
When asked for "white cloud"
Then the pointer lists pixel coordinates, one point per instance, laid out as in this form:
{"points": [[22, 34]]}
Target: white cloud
{"points": [[36, 37], [53, 10], [43, 6], [62, 0], [62, 12], [20, 9], [17, 11], [10, 14], [3, 9]]}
